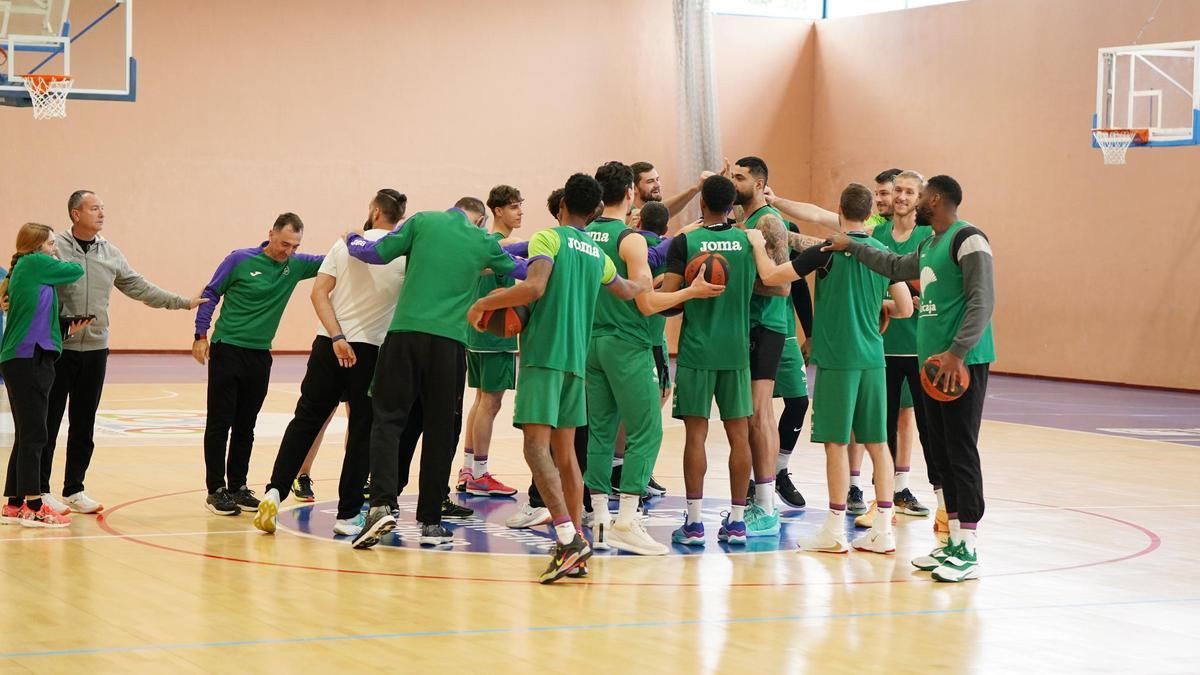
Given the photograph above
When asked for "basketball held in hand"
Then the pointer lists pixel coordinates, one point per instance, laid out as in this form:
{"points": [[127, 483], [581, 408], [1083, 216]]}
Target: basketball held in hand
{"points": [[715, 266], [506, 322], [929, 371]]}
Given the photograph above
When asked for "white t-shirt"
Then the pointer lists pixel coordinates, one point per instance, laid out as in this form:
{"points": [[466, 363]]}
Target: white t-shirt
{"points": [[364, 298]]}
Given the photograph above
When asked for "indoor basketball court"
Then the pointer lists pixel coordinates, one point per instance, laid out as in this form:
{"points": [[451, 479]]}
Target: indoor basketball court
{"points": [[1048, 146]]}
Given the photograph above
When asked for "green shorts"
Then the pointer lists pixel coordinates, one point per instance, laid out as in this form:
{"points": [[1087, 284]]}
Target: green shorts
{"points": [[492, 371], [791, 380], [551, 397], [695, 390], [906, 400], [849, 400]]}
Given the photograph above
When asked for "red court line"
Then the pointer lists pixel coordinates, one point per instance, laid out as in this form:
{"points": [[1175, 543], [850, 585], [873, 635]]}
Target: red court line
{"points": [[1154, 542]]}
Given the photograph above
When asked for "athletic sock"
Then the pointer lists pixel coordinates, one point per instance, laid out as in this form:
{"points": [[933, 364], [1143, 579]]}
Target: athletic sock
{"points": [[468, 458], [737, 512], [600, 508], [480, 466], [564, 530], [836, 519], [856, 479], [941, 498], [901, 479], [15, 501], [764, 495], [34, 505], [955, 529], [618, 461], [627, 509], [694, 502], [967, 532], [782, 459], [883, 521]]}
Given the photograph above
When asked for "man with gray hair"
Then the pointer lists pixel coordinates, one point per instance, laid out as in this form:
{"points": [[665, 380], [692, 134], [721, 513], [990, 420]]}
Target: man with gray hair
{"points": [[79, 373]]}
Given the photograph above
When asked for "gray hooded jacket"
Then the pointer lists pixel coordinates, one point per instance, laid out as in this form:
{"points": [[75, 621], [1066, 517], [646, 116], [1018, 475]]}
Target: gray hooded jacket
{"points": [[104, 267]]}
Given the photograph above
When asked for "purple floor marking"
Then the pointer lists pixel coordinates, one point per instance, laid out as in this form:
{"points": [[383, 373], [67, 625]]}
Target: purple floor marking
{"points": [[1108, 409]]}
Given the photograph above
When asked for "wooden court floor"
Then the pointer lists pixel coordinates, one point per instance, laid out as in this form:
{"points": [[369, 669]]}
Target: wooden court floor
{"points": [[1089, 552]]}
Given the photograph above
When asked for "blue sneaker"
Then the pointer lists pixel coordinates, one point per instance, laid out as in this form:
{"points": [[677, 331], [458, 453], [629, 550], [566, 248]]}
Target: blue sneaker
{"points": [[350, 526], [759, 523], [691, 534], [732, 532]]}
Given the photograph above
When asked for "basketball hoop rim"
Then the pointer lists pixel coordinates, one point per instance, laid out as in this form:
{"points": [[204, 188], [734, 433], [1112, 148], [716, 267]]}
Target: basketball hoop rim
{"points": [[38, 77], [1139, 136]]}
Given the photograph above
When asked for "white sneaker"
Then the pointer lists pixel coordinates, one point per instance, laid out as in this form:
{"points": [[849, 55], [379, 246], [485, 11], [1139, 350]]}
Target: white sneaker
{"points": [[350, 526], [528, 516], [601, 528], [81, 503], [876, 541], [55, 504], [635, 539], [825, 542], [934, 559], [266, 518]]}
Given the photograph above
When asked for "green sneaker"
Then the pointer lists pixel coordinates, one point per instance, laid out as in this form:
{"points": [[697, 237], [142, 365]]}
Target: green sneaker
{"points": [[934, 559], [961, 565], [761, 524]]}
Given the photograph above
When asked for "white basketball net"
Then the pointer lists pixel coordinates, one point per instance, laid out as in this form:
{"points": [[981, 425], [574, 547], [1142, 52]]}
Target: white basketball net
{"points": [[49, 96], [1114, 144]]}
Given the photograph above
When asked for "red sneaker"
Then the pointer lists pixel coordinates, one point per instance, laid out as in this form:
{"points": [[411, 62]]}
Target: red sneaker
{"points": [[10, 515], [464, 476], [44, 517], [487, 486]]}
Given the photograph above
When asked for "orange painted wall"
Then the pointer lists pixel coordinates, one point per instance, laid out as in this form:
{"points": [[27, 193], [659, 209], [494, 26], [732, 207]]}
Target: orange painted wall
{"points": [[1096, 266]]}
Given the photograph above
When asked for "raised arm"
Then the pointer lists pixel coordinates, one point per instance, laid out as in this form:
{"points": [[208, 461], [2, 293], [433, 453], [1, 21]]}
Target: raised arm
{"points": [[776, 248], [137, 287], [809, 213], [879, 260], [386, 249]]}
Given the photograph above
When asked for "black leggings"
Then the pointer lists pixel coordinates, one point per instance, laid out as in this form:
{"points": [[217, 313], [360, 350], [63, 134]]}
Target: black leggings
{"points": [[791, 421], [28, 381]]}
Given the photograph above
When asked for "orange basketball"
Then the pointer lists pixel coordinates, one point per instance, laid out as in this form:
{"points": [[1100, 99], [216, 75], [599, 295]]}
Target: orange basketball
{"points": [[715, 266], [506, 322], [929, 371]]}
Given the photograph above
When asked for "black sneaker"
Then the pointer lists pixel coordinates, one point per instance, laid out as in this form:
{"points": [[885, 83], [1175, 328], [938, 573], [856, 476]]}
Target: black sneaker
{"points": [[245, 498], [854, 501], [566, 558], [379, 522], [579, 572], [453, 510], [434, 534], [302, 488], [655, 489], [787, 490], [906, 503], [222, 503]]}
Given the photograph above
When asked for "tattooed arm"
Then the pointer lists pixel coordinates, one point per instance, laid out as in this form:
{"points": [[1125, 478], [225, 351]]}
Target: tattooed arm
{"points": [[799, 242], [776, 236]]}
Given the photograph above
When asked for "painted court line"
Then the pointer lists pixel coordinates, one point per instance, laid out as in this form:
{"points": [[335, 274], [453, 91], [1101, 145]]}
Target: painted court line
{"points": [[582, 627], [124, 536]]}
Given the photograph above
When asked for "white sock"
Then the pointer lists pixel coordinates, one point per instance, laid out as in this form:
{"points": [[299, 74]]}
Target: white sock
{"points": [[764, 496], [781, 461], [856, 481], [468, 458], [955, 531], [618, 461], [737, 513], [600, 512], [693, 510], [883, 521], [968, 538], [627, 510], [941, 499], [480, 467], [835, 522], [901, 481], [565, 532]]}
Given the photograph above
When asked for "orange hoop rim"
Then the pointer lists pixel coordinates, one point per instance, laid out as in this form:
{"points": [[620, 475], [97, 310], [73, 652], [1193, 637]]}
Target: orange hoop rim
{"points": [[1140, 136], [37, 77]]}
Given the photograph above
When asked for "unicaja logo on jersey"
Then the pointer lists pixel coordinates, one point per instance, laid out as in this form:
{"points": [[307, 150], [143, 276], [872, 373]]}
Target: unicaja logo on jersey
{"points": [[927, 278], [583, 246], [720, 246]]}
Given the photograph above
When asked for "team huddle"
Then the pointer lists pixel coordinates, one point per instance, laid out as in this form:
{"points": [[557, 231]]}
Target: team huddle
{"points": [[415, 310]]}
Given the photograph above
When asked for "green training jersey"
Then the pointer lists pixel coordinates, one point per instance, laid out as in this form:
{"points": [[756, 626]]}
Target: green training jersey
{"points": [[445, 256], [846, 314], [253, 290], [614, 316], [768, 311], [943, 302], [33, 305], [486, 342], [875, 220], [716, 331], [560, 322], [901, 336]]}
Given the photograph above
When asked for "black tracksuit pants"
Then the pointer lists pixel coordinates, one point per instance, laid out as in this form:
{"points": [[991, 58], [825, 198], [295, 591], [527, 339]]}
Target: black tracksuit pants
{"points": [[953, 433], [79, 377], [237, 386]]}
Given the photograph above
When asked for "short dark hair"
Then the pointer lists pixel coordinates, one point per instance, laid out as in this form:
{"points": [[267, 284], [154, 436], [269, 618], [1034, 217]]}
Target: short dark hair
{"points": [[76, 198], [888, 176], [654, 217], [391, 204], [471, 204], [856, 202], [288, 219], [554, 200], [581, 195], [502, 195], [718, 194], [639, 168], [947, 187], [757, 167], [615, 180]]}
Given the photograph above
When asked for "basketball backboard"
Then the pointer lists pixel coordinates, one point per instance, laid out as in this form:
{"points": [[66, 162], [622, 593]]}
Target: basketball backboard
{"points": [[90, 40], [1154, 87]]}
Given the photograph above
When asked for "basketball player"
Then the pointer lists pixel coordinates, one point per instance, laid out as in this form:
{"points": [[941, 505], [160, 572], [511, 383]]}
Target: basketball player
{"points": [[79, 372], [255, 284], [422, 362], [565, 270], [768, 330], [491, 361], [848, 351], [957, 299], [354, 303]]}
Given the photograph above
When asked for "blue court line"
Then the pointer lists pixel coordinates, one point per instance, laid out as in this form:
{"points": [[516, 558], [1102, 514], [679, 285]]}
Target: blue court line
{"points": [[564, 628]]}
